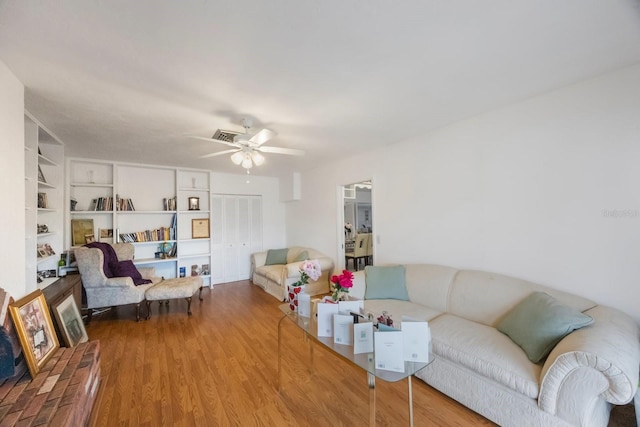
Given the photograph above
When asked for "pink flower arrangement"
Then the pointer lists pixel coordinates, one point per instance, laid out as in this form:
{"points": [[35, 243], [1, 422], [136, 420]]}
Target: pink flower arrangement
{"points": [[309, 269], [341, 285]]}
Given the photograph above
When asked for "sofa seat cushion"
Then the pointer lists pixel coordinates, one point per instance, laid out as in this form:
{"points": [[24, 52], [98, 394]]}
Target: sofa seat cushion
{"points": [[272, 272], [485, 350], [399, 308]]}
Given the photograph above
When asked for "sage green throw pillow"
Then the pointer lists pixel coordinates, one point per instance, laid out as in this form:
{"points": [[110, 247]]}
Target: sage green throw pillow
{"points": [[302, 256], [276, 256], [386, 283], [539, 322]]}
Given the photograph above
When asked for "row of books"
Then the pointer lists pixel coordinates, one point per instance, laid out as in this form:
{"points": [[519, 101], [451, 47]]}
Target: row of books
{"points": [[101, 204], [157, 235], [124, 204]]}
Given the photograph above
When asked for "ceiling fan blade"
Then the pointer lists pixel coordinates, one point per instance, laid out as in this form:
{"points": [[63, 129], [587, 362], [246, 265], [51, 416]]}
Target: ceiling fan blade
{"points": [[231, 144], [219, 153], [278, 150], [263, 136]]}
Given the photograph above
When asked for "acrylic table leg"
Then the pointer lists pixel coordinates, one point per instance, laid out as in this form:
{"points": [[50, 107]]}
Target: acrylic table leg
{"points": [[372, 399], [410, 402], [279, 354], [311, 357]]}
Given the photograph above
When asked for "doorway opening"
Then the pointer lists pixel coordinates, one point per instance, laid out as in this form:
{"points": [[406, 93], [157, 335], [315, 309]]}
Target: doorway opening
{"points": [[357, 239]]}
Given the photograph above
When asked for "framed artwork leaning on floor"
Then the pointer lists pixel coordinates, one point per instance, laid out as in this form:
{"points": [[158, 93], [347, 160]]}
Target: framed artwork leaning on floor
{"points": [[35, 329], [70, 322]]}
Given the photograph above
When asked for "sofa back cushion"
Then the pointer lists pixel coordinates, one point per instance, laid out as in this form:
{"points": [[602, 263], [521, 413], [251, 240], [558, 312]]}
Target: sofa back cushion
{"points": [[276, 256], [429, 284], [487, 297], [386, 282], [539, 322], [297, 252]]}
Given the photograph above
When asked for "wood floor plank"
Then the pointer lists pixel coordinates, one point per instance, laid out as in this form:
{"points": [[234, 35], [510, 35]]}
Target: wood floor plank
{"points": [[219, 367]]}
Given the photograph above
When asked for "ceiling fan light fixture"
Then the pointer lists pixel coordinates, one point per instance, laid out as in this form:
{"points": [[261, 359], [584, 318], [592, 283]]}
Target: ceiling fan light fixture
{"points": [[237, 157], [247, 163], [258, 158]]}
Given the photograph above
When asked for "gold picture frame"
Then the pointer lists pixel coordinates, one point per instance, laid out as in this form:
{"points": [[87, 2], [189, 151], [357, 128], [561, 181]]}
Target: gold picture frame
{"points": [[80, 228], [69, 322], [200, 228], [33, 323]]}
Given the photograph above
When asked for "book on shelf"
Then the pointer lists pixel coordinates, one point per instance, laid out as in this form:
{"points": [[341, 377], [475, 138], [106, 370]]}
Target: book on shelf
{"points": [[156, 235], [124, 204], [101, 204]]}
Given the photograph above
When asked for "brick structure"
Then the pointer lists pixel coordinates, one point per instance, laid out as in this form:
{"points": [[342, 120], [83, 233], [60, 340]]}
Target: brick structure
{"points": [[61, 394]]}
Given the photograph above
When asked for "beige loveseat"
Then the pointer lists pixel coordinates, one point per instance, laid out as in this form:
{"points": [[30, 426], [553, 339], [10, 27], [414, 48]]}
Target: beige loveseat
{"points": [[275, 278], [474, 363]]}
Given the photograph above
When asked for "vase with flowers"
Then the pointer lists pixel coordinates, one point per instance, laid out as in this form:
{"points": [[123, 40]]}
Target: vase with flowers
{"points": [[309, 269], [341, 285]]}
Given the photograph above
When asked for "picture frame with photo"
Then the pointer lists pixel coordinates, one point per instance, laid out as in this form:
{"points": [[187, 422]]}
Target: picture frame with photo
{"points": [[80, 228], [35, 329], [200, 228], [69, 321]]}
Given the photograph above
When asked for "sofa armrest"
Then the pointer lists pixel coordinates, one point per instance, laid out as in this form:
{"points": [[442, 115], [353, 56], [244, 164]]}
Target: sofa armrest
{"points": [[599, 361], [258, 259]]}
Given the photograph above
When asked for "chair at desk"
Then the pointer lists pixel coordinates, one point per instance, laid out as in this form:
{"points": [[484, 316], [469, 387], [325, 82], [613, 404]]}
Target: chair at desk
{"points": [[359, 251], [369, 259]]}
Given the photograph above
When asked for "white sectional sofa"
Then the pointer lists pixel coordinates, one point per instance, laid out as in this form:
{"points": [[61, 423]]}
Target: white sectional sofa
{"points": [[474, 363], [274, 278]]}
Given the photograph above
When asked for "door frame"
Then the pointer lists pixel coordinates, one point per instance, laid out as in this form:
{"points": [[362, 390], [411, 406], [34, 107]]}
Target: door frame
{"points": [[340, 264]]}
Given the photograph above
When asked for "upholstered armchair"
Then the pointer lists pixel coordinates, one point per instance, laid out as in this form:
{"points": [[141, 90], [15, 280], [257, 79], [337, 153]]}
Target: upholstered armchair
{"points": [[103, 291]]}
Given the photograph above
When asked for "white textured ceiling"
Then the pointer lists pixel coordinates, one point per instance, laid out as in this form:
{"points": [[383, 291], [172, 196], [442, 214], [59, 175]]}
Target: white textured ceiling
{"points": [[128, 80]]}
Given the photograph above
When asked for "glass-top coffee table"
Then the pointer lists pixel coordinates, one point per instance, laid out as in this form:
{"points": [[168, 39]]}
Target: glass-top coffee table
{"points": [[366, 361]]}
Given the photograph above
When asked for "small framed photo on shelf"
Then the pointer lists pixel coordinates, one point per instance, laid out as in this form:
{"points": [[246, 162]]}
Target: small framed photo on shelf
{"points": [[42, 201], [35, 329], [200, 228], [194, 203], [89, 238], [69, 322]]}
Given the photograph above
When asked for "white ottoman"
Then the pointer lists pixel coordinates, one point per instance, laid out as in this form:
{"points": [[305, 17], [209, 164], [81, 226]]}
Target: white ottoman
{"points": [[182, 287]]}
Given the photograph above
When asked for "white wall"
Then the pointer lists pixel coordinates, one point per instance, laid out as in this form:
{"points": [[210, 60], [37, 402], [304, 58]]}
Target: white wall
{"points": [[273, 210], [12, 190], [546, 190]]}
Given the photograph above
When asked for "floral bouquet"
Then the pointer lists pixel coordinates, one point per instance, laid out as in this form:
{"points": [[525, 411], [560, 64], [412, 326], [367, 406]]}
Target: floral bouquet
{"points": [[309, 269], [341, 285]]}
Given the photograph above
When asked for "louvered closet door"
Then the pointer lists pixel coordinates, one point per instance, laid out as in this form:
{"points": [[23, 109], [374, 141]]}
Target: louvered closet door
{"points": [[217, 240], [244, 238], [256, 224], [237, 233], [231, 243]]}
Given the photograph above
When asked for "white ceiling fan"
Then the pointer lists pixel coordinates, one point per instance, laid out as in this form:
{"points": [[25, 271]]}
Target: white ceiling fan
{"points": [[247, 148]]}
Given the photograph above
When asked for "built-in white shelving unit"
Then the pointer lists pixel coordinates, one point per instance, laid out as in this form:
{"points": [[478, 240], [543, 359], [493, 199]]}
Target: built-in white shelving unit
{"points": [[44, 177], [160, 196]]}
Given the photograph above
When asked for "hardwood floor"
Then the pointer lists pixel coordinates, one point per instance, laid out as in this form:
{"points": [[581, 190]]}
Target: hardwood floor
{"points": [[219, 367]]}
